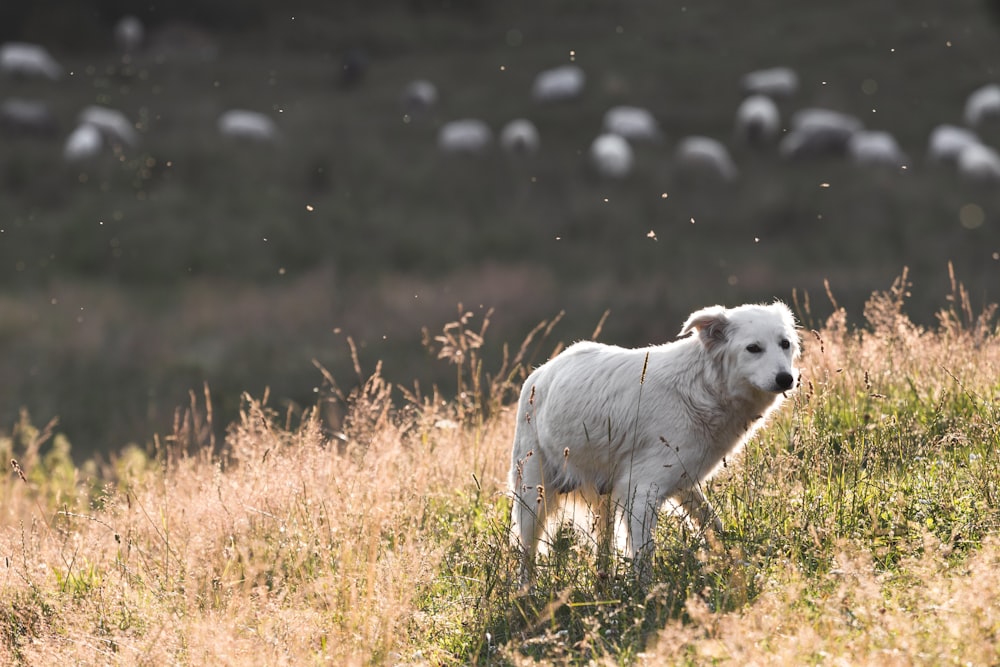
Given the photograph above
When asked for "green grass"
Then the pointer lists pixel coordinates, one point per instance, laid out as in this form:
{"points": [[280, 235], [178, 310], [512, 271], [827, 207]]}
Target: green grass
{"points": [[859, 525], [858, 465]]}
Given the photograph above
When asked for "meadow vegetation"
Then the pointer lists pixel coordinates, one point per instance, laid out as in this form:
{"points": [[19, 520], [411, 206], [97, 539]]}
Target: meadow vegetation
{"points": [[861, 524]]}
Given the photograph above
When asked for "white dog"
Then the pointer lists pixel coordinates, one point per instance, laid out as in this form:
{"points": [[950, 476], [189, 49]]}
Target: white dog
{"points": [[644, 425]]}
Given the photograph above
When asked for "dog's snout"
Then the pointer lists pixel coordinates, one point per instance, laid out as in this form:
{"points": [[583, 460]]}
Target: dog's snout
{"points": [[784, 380]]}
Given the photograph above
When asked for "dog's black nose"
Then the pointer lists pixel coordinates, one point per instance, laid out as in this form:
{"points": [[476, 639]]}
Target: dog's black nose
{"points": [[784, 380]]}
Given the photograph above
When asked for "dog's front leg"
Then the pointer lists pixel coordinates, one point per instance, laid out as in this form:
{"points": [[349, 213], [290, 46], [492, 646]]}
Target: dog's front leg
{"points": [[698, 509], [641, 509]]}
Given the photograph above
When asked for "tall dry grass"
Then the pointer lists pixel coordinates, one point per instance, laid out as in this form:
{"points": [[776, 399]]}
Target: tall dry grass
{"points": [[292, 546], [372, 528]]}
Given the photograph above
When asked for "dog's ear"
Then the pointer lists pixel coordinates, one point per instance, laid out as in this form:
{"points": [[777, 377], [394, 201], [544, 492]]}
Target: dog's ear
{"points": [[710, 323]]}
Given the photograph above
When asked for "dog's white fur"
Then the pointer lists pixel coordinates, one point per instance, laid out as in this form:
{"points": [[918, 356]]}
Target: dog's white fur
{"points": [[644, 425]]}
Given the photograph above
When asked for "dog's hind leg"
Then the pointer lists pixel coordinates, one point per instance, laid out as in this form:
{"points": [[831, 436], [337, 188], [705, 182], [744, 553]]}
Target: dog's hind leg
{"points": [[528, 509], [698, 509]]}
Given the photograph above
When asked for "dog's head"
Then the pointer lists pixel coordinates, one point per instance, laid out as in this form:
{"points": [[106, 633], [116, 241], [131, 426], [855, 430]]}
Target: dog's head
{"points": [[757, 344]]}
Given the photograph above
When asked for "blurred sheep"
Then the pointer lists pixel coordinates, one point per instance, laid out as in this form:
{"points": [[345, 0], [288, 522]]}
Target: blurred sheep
{"points": [[632, 123], [244, 125], [557, 84], [96, 128], [611, 156], [27, 117], [520, 137], [418, 97], [979, 163], [982, 105], [115, 127], [468, 135], [705, 156], [129, 34], [819, 133], [30, 61], [947, 141], [83, 143], [774, 82], [758, 121], [875, 147]]}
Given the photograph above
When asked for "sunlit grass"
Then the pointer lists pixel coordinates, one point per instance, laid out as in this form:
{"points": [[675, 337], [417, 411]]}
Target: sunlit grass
{"points": [[860, 526]]}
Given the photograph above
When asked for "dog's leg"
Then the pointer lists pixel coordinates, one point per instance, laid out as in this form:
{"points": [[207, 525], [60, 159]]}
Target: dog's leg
{"points": [[528, 510], [698, 509], [641, 509], [603, 521]]}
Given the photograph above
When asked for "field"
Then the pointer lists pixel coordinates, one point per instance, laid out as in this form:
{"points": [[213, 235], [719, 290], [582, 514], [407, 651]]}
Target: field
{"points": [[861, 527], [257, 399], [130, 281]]}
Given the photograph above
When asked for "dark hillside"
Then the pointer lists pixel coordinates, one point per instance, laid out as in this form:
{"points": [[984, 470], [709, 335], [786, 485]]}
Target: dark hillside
{"points": [[132, 278]]}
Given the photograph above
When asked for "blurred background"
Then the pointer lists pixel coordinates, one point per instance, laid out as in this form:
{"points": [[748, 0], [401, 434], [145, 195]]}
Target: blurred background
{"points": [[222, 192]]}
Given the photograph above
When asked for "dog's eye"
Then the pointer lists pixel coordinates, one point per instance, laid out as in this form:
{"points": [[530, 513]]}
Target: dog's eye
{"points": [[785, 344], [754, 348]]}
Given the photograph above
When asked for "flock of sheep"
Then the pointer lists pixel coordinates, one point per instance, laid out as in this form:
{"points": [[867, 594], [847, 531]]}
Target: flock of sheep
{"points": [[98, 128], [809, 132]]}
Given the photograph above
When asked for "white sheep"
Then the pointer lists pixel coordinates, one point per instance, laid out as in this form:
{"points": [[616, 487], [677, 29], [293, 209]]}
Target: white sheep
{"points": [[83, 143], [611, 156], [129, 33], [705, 156], [418, 97], [468, 135], [632, 123], [947, 141], [559, 83], [979, 163], [113, 124], [982, 105], [818, 133], [773, 82], [19, 116], [875, 147], [28, 60], [244, 125], [816, 118], [520, 137], [758, 120]]}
